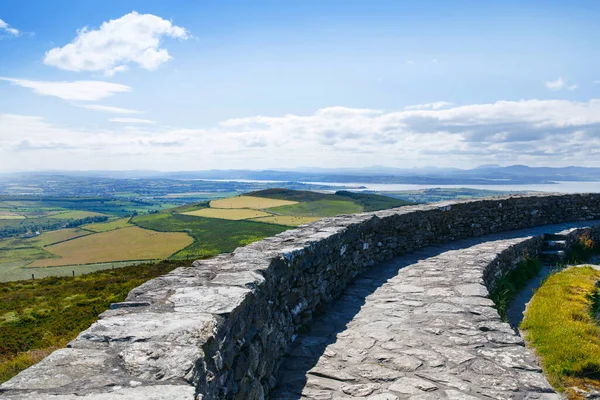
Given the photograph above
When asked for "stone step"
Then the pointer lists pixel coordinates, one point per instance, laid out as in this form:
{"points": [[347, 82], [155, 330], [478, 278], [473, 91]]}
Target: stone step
{"points": [[553, 255], [555, 245]]}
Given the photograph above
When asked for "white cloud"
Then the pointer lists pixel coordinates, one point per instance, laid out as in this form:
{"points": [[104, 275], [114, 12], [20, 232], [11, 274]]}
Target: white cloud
{"points": [[132, 120], [410, 62], [536, 132], [109, 109], [74, 90], [560, 84], [556, 85], [433, 106], [596, 82], [133, 38], [4, 27]]}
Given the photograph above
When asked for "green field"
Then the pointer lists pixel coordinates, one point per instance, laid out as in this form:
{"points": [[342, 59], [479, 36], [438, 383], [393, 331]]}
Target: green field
{"points": [[212, 236], [132, 243], [76, 215], [373, 202], [445, 194], [107, 226], [252, 202], [299, 196], [318, 208], [23, 254]]}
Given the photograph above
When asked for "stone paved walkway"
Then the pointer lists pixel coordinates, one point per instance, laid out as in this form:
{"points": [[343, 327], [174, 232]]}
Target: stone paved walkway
{"points": [[418, 327]]}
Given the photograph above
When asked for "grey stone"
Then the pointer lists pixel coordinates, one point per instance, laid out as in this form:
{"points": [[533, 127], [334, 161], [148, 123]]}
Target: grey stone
{"points": [[408, 385], [383, 396], [360, 390], [398, 362], [157, 392], [225, 324], [213, 300], [376, 372], [456, 395]]}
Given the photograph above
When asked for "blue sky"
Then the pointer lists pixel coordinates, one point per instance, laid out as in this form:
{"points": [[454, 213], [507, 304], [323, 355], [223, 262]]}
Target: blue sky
{"points": [[274, 84]]}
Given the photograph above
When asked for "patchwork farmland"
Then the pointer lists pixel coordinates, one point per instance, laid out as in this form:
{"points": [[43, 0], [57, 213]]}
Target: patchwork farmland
{"points": [[57, 237], [130, 243]]}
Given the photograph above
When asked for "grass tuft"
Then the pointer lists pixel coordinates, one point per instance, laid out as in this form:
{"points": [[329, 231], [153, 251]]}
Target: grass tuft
{"points": [[560, 324]]}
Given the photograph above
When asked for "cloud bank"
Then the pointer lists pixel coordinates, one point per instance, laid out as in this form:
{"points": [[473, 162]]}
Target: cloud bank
{"points": [[535, 132]]}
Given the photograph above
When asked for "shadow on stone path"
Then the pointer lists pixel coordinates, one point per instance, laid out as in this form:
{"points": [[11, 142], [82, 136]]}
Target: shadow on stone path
{"points": [[417, 327], [310, 346], [514, 312]]}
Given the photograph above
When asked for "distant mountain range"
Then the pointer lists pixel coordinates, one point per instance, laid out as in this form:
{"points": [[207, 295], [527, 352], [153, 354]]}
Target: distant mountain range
{"points": [[485, 174]]}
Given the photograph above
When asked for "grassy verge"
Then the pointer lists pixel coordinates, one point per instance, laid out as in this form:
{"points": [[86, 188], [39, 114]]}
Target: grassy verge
{"points": [[39, 316], [560, 324], [508, 285]]}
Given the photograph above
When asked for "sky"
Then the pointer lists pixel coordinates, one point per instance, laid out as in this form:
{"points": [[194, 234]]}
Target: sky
{"points": [[224, 84]]}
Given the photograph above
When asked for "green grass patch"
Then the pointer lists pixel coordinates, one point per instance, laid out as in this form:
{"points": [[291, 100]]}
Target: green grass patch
{"points": [[560, 325], [508, 285], [24, 254], [107, 226], [318, 208], [373, 202], [293, 195], [191, 207], [39, 316], [12, 217], [18, 270], [76, 215], [211, 236], [14, 243]]}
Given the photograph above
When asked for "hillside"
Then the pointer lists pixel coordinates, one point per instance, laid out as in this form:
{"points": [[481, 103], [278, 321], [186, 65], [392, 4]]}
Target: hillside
{"points": [[368, 201], [37, 317]]}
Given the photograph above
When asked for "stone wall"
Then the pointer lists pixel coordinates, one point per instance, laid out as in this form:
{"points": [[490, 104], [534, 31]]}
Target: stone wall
{"points": [[218, 328]]}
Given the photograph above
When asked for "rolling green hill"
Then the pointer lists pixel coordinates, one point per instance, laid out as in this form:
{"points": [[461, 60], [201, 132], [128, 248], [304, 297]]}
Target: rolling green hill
{"points": [[367, 201]]}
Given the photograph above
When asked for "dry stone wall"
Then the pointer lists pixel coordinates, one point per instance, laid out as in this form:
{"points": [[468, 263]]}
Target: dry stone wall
{"points": [[217, 329]]}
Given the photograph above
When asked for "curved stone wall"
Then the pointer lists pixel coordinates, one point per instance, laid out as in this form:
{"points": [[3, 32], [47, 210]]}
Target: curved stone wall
{"points": [[218, 329]]}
